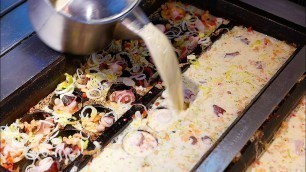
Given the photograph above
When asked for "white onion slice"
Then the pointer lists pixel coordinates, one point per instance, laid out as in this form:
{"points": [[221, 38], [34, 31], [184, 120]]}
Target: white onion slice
{"points": [[106, 58], [93, 112], [128, 81], [54, 135], [79, 73], [97, 145], [96, 58]]}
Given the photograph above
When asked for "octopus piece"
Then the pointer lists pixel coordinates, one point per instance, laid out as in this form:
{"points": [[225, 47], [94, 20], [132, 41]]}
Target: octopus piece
{"points": [[124, 96], [139, 143]]}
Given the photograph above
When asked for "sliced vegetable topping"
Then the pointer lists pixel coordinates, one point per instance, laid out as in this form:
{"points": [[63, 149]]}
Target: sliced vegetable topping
{"points": [[233, 54], [218, 110]]}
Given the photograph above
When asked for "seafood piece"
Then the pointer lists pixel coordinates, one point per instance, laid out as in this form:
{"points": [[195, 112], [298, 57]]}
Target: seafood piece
{"points": [[38, 122], [121, 93], [173, 12], [139, 143], [66, 103], [94, 119], [68, 145], [13, 145]]}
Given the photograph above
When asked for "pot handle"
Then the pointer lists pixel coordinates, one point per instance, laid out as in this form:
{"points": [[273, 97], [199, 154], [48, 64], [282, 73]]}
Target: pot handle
{"points": [[129, 27]]}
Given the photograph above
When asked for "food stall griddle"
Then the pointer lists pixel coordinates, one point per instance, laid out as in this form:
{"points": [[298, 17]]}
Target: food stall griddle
{"points": [[38, 69]]}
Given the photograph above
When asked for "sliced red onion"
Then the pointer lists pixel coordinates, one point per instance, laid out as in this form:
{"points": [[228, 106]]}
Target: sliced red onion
{"points": [[44, 164], [259, 65], [231, 54], [245, 40], [193, 139], [189, 96], [206, 140], [203, 82], [218, 110]]}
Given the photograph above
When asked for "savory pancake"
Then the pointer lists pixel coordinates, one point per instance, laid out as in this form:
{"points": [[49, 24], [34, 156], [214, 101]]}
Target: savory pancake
{"points": [[218, 86], [287, 150]]}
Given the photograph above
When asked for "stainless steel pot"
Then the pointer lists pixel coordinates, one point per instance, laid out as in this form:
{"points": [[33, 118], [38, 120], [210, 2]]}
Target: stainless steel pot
{"points": [[84, 26]]}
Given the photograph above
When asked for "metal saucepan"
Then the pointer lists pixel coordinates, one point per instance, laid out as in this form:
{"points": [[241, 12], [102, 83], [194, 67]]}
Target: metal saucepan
{"points": [[84, 26]]}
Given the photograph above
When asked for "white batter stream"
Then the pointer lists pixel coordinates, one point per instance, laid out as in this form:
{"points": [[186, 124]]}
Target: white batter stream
{"points": [[166, 63]]}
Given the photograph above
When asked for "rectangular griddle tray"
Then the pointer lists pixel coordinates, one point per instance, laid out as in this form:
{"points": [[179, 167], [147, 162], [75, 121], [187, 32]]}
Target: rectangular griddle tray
{"points": [[235, 137], [264, 136]]}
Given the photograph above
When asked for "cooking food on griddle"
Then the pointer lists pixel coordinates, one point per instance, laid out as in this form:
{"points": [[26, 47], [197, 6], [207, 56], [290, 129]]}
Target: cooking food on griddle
{"points": [[66, 103], [287, 150], [94, 119], [29, 138], [26, 138], [68, 145], [45, 164], [139, 143], [219, 85], [122, 93], [186, 26], [217, 88]]}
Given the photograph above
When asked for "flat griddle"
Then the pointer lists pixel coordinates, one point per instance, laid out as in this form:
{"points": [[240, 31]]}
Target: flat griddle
{"points": [[30, 71]]}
